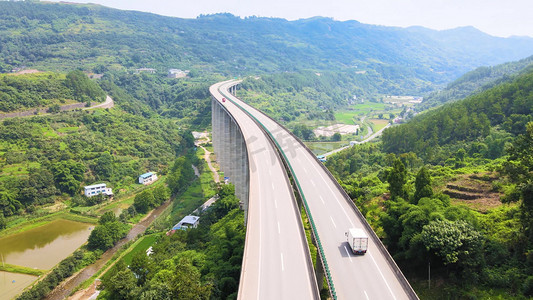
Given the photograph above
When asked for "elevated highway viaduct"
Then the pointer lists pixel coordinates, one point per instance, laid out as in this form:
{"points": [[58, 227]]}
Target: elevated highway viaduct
{"points": [[374, 275]]}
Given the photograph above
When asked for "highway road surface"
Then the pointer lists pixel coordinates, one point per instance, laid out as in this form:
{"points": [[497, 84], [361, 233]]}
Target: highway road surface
{"points": [[373, 276], [276, 262]]}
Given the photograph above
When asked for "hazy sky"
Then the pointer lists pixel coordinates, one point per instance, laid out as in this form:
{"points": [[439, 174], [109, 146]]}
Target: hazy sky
{"points": [[496, 17]]}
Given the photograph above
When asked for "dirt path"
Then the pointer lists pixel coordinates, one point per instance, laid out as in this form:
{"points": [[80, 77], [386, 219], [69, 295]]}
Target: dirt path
{"points": [[207, 158], [196, 171], [68, 285]]}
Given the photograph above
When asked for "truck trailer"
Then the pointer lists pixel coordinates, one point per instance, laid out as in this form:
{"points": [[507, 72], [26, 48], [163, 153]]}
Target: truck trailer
{"points": [[358, 240]]}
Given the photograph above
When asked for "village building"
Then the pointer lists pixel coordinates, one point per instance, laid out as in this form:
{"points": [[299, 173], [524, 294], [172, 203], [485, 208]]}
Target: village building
{"points": [[186, 223], [147, 178], [96, 189], [177, 73], [146, 70]]}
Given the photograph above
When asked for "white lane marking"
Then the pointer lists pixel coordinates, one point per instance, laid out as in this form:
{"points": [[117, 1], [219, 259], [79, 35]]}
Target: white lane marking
{"points": [[348, 252], [385, 280], [312, 182], [333, 222], [279, 231], [259, 249], [275, 203], [366, 295], [322, 199], [305, 169], [282, 265], [273, 186], [330, 189]]}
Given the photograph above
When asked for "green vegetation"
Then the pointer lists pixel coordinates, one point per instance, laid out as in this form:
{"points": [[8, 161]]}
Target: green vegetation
{"points": [[21, 269], [53, 36], [198, 263], [429, 191], [108, 231], [141, 246], [476, 81], [109, 146], [507, 107], [46, 90], [304, 95]]}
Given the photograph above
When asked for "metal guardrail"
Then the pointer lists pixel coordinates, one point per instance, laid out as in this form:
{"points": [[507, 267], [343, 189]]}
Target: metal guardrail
{"points": [[397, 272]]}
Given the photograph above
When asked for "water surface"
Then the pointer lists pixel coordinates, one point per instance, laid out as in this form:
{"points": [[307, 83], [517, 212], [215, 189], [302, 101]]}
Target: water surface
{"points": [[43, 247], [12, 284]]}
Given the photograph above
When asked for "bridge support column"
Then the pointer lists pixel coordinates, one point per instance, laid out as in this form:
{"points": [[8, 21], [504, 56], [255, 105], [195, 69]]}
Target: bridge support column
{"points": [[230, 148], [225, 151], [215, 130]]}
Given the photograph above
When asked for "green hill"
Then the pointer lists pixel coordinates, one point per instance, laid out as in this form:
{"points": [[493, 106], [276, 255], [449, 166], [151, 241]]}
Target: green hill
{"points": [[476, 81], [507, 106], [52, 36]]}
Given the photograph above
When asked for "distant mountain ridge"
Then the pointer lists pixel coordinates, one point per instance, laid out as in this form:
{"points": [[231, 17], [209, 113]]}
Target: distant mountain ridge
{"points": [[65, 36]]}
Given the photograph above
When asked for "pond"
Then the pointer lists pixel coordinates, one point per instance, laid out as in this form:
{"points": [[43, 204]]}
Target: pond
{"points": [[45, 246], [12, 284]]}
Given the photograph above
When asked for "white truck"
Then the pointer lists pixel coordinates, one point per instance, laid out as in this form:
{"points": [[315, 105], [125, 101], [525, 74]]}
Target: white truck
{"points": [[358, 240]]}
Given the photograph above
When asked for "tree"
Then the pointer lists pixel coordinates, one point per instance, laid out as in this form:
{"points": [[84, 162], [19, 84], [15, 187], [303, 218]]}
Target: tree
{"points": [[100, 238], [186, 283], [161, 194], [422, 185], [454, 242], [68, 175], [397, 179], [139, 266], [3, 222], [144, 201], [107, 217], [304, 132], [103, 166], [180, 175], [519, 167], [336, 137], [122, 284], [54, 108]]}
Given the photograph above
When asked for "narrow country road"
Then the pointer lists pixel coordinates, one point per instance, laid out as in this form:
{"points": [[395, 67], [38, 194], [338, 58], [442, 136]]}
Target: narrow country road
{"points": [[108, 103]]}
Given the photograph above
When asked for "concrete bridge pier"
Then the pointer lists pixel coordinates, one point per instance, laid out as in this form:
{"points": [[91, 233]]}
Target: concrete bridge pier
{"points": [[230, 148]]}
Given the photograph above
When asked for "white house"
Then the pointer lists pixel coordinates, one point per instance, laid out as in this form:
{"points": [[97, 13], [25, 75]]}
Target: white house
{"points": [[187, 222], [95, 189], [147, 178], [177, 73]]}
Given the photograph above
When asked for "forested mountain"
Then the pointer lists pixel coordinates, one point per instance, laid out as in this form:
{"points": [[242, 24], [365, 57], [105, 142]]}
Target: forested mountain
{"points": [[508, 106], [65, 36], [476, 81]]}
